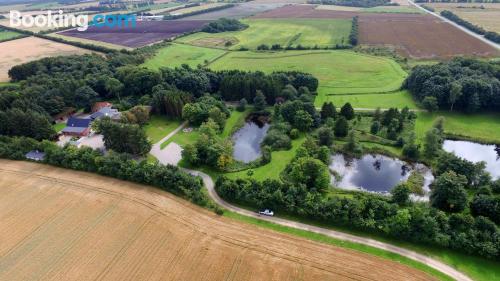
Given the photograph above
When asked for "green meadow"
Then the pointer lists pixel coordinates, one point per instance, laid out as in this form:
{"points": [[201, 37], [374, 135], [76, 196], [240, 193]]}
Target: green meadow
{"points": [[286, 32], [339, 71], [177, 54]]}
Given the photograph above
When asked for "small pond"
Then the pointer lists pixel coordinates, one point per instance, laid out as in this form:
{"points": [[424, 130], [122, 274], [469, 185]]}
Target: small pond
{"points": [[374, 173], [476, 152], [247, 140]]}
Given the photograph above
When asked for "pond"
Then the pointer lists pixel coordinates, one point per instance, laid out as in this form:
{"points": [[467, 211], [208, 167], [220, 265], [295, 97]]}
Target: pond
{"points": [[476, 152], [247, 140], [374, 173]]}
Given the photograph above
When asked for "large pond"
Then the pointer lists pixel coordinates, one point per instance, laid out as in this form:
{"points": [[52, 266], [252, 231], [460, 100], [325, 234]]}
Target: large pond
{"points": [[374, 173], [476, 152], [247, 140]]}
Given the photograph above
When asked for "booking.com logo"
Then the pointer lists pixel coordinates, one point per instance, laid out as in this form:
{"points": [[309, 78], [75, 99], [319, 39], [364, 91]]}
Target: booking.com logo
{"points": [[59, 20]]}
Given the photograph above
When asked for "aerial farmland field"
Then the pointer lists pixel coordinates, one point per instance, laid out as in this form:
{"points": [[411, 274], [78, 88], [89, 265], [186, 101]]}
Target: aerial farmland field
{"points": [[146, 32], [177, 54], [33, 49], [353, 73], [59, 224], [486, 15], [286, 32], [420, 36]]}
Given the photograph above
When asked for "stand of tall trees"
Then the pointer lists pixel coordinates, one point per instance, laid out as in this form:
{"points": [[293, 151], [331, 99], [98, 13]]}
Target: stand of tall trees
{"points": [[461, 84]]}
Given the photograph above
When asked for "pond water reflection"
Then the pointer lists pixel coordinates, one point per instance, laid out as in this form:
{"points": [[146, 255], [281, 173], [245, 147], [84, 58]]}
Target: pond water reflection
{"points": [[375, 173], [476, 152], [247, 141]]}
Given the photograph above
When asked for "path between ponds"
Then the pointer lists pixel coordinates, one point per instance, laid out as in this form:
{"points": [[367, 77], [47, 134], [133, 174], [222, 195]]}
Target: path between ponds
{"points": [[209, 184]]}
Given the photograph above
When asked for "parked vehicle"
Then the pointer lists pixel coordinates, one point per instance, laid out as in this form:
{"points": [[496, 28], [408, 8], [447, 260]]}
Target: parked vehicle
{"points": [[267, 212]]}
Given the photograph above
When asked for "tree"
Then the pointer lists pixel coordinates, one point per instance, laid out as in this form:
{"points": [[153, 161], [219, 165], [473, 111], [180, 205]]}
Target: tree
{"points": [[375, 128], [455, 94], [303, 121], [328, 110], [401, 194], [430, 103], [341, 127], [242, 105], [124, 138], [352, 144], [85, 97], [311, 172], [486, 206], [325, 136], [259, 101], [347, 111], [448, 192], [218, 117], [411, 148], [432, 144], [136, 115], [114, 88]]}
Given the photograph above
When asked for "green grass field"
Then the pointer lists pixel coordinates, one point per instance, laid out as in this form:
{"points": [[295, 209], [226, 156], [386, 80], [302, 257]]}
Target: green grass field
{"points": [[59, 126], [480, 127], [397, 99], [159, 127], [339, 72], [7, 35], [177, 54], [286, 32]]}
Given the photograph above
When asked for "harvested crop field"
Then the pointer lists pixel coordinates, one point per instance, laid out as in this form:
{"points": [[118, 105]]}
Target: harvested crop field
{"points": [[420, 36], [29, 49], [59, 224], [305, 11], [486, 15], [238, 11], [146, 32]]}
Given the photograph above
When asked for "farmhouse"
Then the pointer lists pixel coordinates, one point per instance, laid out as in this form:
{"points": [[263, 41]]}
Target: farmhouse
{"points": [[77, 127], [106, 111]]}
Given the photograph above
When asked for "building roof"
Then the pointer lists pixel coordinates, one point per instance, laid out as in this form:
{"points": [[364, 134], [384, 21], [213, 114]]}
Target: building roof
{"points": [[78, 122], [105, 112], [77, 130], [35, 155]]}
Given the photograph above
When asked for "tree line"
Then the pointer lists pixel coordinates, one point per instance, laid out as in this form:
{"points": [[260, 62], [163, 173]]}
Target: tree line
{"points": [[117, 165], [490, 35], [461, 84]]}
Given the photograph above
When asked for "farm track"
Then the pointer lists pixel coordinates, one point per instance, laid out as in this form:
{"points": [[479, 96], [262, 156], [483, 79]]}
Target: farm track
{"points": [[209, 184], [480, 37], [60, 224]]}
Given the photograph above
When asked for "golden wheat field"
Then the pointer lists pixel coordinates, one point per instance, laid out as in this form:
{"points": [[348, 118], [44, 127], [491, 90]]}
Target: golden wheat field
{"points": [[58, 224]]}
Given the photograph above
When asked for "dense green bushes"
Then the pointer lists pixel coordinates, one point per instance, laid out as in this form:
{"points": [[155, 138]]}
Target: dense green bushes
{"points": [[121, 166], [416, 222], [223, 25], [461, 84]]}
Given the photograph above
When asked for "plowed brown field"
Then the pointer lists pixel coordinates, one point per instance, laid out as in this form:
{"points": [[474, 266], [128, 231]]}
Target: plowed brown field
{"points": [[58, 224], [412, 35], [420, 36]]}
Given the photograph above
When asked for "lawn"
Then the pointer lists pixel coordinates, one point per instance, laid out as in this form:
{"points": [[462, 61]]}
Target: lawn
{"points": [[159, 127], [481, 127], [59, 126], [286, 32], [397, 99], [339, 72], [177, 54], [8, 35], [272, 170]]}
